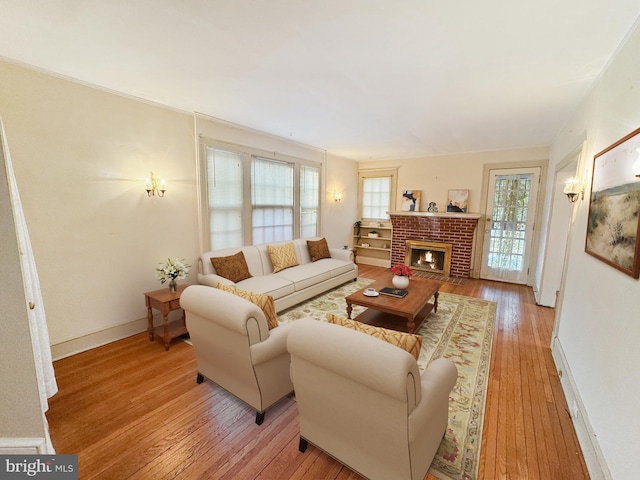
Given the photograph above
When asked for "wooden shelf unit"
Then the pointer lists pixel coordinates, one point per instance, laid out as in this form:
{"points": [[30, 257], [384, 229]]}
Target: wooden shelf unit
{"points": [[378, 251]]}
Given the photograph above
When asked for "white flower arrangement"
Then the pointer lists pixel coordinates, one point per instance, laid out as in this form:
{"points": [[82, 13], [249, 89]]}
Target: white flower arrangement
{"points": [[172, 269]]}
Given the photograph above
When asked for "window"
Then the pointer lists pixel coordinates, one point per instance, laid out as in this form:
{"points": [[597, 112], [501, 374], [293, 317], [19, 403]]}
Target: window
{"points": [[309, 201], [271, 200], [224, 182], [377, 193], [251, 197]]}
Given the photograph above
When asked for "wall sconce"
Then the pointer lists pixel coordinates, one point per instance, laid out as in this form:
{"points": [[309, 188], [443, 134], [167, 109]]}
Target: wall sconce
{"points": [[337, 197], [574, 188], [152, 187]]}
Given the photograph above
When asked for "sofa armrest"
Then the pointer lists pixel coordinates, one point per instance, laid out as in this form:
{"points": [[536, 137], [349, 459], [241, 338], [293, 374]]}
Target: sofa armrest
{"points": [[341, 254], [436, 383], [274, 346], [211, 280]]}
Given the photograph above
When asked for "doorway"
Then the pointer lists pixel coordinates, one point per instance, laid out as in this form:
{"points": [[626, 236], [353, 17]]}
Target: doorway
{"points": [[510, 214]]}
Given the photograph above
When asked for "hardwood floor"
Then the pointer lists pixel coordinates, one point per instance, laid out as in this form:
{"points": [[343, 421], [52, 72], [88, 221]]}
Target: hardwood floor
{"points": [[132, 410]]}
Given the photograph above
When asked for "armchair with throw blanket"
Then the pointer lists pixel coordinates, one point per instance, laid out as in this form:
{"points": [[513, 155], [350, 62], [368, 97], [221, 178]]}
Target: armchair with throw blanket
{"points": [[364, 402], [235, 348]]}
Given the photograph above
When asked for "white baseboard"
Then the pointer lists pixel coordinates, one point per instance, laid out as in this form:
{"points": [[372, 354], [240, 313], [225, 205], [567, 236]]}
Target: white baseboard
{"points": [[593, 457], [97, 339], [23, 446]]}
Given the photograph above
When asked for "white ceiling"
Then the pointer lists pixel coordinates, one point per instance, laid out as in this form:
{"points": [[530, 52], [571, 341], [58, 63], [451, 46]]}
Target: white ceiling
{"points": [[360, 78]]}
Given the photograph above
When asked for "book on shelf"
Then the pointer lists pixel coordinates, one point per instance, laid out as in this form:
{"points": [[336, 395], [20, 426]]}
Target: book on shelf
{"points": [[393, 292]]}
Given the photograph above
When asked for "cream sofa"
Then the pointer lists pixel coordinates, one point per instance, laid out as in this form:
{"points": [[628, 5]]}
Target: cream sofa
{"points": [[290, 286], [363, 401], [235, 349]]}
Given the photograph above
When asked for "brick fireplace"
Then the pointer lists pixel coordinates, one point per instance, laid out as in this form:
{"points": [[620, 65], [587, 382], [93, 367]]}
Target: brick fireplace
{"points": [[457, 229]]}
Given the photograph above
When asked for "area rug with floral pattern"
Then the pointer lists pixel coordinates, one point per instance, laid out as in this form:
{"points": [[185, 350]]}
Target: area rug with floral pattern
{"points": [[462, 330]]}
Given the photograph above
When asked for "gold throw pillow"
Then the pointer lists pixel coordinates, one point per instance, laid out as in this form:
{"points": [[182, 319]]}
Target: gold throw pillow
{"points": [[283, 256], [265, 302], [407, 341]]}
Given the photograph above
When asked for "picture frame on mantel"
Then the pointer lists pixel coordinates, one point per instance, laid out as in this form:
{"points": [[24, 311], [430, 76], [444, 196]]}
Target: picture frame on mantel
{"points": [[410, 201], [613, 227], [458, 201]]}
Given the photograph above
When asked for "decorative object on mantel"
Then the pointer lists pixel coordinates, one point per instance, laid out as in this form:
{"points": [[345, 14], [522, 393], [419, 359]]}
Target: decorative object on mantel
{"points": [[401, 274], [433, 208], [172, 270], [613, 229], [458, 201], [410, 201]]}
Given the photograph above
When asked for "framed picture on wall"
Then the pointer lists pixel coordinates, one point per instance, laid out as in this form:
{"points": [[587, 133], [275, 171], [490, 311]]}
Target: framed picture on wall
{"points": [[613, 228], [457, 201]]}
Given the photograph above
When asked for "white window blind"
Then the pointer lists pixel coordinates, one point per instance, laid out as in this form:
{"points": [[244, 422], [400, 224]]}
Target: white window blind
{"points": [[309, 201], [272, 197], [224, 182], [376, 197]]}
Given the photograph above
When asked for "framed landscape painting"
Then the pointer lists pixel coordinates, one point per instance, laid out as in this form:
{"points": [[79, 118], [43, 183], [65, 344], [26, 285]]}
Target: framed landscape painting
{"points": [[613, 234]]}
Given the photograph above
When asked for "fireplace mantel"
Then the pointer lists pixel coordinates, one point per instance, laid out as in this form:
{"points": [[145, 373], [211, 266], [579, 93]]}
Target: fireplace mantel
{"points": [[458, 229], [475, 216]]}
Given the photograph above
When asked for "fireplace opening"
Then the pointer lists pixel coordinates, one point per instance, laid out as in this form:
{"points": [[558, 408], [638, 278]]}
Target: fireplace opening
{"points": [[433, 257]]}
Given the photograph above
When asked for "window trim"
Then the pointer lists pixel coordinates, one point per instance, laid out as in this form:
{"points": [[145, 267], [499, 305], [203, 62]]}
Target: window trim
{"points": [[378, 173], [247, 153]]}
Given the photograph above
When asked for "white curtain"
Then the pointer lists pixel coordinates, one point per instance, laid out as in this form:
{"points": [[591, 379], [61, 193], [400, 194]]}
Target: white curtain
{"points": [[37, 319]]}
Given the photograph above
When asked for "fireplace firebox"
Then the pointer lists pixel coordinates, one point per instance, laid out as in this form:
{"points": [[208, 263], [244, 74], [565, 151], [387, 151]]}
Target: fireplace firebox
{"points": [[433, 257]]}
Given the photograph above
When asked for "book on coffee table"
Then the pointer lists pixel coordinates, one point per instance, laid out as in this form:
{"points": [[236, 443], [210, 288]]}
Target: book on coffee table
{"points": [[393, 292]]}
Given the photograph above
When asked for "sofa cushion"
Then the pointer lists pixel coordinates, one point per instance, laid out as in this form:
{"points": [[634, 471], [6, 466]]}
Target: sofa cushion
{"points": [[265, 302], [318, 249], [282, 256], [233, 267], [407, 341]]}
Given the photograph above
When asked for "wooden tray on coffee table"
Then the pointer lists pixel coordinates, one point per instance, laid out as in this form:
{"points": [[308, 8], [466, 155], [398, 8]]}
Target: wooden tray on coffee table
{"points": [[403, 314]]}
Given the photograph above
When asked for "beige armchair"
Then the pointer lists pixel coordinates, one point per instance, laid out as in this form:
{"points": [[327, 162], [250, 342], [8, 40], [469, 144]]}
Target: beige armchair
{"points": [[363, 401], [235, 349]]}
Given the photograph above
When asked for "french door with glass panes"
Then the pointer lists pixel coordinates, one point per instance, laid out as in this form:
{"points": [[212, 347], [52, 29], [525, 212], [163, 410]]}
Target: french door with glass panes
{"points": [[509, 222]]}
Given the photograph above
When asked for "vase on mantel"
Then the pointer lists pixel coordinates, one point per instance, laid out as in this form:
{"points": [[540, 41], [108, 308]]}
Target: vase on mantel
{"points": [[173, 286], [400, 281]]}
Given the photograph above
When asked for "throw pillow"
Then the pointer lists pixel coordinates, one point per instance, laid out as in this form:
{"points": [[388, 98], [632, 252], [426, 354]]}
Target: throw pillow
{"points": [[265, 302], [233, 267], [318, 249], [283, 256], [407, 341]]}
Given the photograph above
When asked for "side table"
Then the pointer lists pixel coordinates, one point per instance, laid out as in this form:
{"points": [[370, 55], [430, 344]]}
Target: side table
{"points": [[165, 301]]}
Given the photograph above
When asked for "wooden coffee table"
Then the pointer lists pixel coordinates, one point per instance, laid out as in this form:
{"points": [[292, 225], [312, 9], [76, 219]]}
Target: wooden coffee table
{"points": [[403, 314]]}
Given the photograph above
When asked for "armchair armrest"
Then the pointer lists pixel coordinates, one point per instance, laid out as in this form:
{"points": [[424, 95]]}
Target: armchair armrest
{"points": [[436, 382], [273, 346], [341, 254]]}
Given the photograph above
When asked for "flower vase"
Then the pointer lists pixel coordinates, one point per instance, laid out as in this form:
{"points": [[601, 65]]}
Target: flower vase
{"points": [[400, 281], [173, 286]]}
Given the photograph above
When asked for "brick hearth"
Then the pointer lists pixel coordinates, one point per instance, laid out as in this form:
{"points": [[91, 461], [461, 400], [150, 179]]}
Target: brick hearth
{"points": [[457, 229]]}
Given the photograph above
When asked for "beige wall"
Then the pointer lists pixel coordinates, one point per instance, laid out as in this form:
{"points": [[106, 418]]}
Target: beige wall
{"points": [[435, 176], [81, 156], [599, 327]]}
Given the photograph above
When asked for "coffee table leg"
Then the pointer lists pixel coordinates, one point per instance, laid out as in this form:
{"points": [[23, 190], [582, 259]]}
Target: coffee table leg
{"points": [[411, 325], [349, 309], [435, 302]]}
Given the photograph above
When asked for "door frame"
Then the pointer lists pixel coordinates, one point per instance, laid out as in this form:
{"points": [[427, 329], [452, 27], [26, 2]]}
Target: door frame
{"points": [[543, 164]]}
